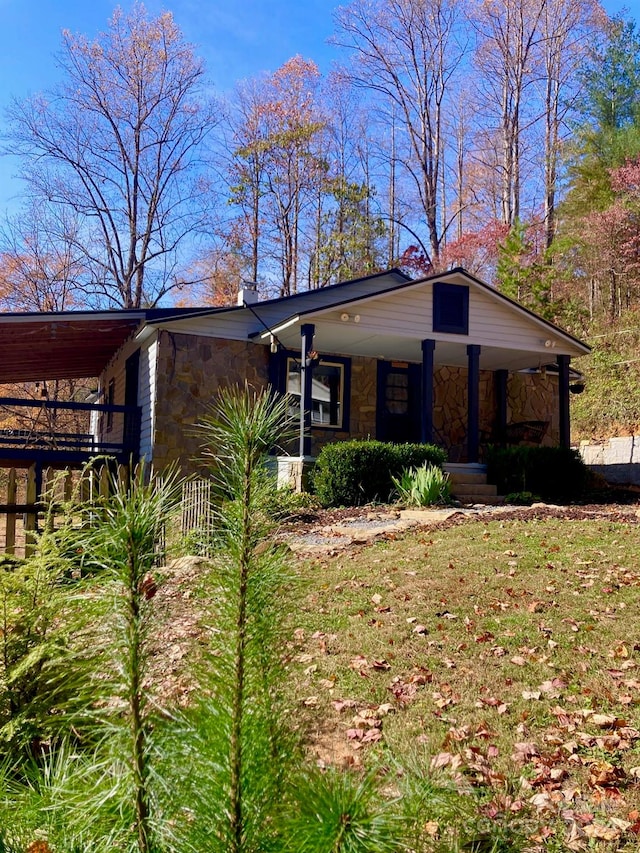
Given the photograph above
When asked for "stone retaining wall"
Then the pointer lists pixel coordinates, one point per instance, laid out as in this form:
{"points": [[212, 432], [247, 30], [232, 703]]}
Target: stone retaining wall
{"points": [[617, 460]]}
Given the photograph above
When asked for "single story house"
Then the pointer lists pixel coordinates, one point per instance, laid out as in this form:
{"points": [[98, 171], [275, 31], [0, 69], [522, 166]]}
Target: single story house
{"points": [[445, 358]]}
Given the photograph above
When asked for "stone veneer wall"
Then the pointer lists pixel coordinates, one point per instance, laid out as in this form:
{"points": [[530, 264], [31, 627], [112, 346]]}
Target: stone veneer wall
{"points": [[534, 397], [450, 409], [190, 371], [530, 397]]}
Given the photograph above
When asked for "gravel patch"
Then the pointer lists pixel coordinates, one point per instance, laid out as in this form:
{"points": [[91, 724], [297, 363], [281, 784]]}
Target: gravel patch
{"points": [[335, 530]]}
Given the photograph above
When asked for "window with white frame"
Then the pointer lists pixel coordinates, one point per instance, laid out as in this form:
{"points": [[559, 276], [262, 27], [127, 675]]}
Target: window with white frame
{"points": [[327, 391]]}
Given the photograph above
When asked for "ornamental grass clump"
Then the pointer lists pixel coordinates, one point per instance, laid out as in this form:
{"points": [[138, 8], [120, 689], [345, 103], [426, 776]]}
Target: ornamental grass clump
{"points": [[424, 486]]}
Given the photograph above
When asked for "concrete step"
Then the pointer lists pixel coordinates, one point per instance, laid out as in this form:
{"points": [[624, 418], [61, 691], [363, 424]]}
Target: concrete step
{"points": [[465, 468], [456, 477], [469, 483]]}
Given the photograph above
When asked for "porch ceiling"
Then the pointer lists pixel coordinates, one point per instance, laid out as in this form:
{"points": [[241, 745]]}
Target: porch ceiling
{"points": [[331, 338], [64, 346]]}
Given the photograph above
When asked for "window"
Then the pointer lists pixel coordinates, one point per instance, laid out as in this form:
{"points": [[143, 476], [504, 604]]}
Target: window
{"points": [[451, 308], [328, 391], [396, 393]]}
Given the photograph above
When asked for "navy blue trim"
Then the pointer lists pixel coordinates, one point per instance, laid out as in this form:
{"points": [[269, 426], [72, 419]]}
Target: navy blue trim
{"points": [[473, 403], [399, 427], [563, 400], [450, 308], [501, 378], [307, 331], [426, 410]]}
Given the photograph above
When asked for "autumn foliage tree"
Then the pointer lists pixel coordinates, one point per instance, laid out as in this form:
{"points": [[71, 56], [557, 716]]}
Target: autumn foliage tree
{"points": [[41, 267], [120, 143], [278, 164]]}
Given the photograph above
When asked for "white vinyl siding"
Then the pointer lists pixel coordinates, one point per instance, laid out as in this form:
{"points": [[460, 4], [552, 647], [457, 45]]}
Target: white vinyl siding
{"points": [[239, 323], [408, 313]]}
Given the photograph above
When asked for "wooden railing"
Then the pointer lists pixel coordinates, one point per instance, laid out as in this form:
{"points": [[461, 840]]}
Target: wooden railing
{"points": [[37, 438], [33, 496], [29, 500]]}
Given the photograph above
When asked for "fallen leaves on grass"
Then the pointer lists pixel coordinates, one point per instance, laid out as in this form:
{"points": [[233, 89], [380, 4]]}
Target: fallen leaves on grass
{"points": [[405, 688], [558, 689]]}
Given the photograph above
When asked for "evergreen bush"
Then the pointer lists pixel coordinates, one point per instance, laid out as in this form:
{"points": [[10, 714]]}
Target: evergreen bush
{"points": [[554, 473], [352, 473]]}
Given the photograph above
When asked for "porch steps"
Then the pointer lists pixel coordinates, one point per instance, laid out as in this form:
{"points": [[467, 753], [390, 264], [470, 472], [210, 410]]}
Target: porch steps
{"points": [[469, 484]]}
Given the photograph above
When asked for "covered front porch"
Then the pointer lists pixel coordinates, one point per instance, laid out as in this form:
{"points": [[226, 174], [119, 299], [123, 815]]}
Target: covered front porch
{"points": [[461, 389]]}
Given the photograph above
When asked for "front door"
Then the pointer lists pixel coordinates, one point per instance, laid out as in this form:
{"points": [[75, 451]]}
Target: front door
{"points": [[398, 411]]}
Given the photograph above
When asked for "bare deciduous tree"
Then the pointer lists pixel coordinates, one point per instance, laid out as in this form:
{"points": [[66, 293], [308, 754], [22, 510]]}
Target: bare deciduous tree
{"points": [[119, 142], [510, 34], [408, 51], [278, 164], [250, 133], [567, 28]]}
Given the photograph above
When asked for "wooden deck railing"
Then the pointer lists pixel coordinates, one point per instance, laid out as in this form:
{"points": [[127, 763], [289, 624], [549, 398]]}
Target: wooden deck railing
{"points": [[38, 433], [24, 512], [33, 496]]}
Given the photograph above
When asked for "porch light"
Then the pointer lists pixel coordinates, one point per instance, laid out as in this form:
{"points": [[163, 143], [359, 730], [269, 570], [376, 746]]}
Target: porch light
{"points": [[344, 317]]}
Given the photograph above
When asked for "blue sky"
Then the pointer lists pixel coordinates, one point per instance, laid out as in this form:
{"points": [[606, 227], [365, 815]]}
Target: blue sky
{"points": [[237, 38]]}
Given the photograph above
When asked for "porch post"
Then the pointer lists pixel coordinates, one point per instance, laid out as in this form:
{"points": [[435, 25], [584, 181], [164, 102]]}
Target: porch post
{"points": [[276, 372], [473, 403], [563, 400], [501, 379], [307, 332], [426, 413]]}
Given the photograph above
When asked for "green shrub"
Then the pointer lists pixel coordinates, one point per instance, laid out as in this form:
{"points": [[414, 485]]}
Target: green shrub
{"points": [[423, 486], [286, 505], [552, 472], [352, 473], [521, 498]]}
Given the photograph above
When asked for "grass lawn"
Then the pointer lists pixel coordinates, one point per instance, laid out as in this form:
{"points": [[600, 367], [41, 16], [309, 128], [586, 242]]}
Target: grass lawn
{"points": [[501, 657]]}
